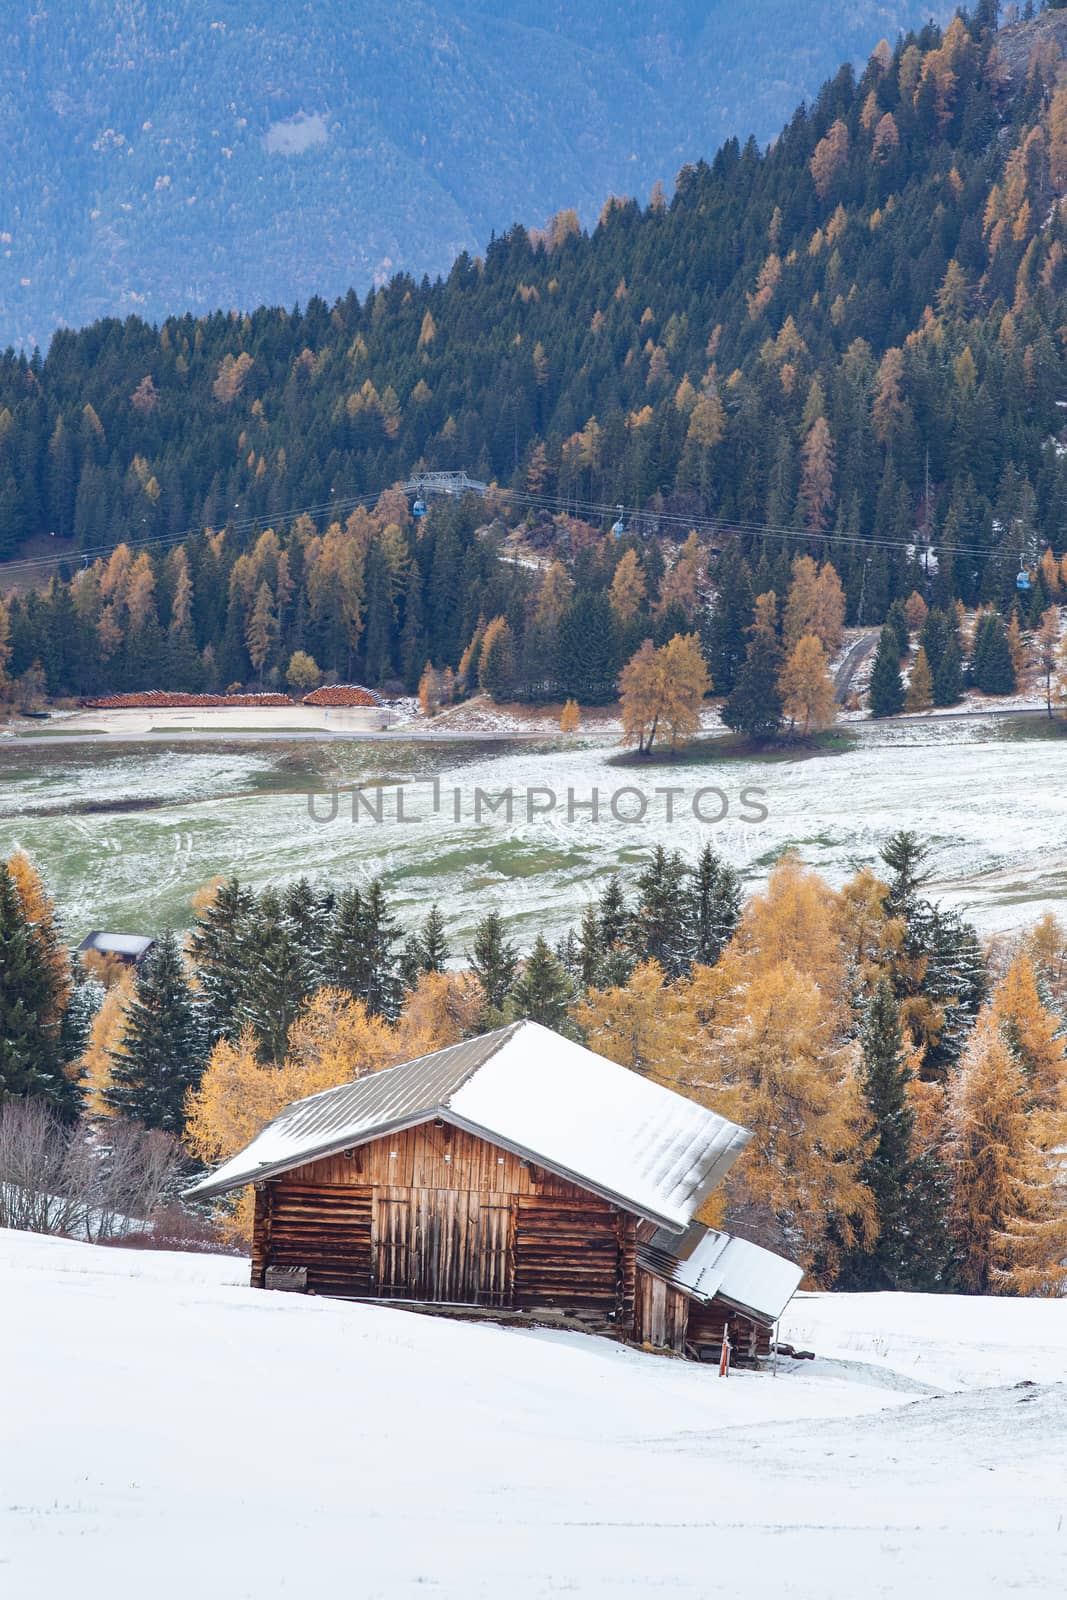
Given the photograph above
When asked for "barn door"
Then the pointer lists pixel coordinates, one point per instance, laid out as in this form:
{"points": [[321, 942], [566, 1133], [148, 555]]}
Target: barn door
{"points": [[494, 1252], [394, 1248], [443, 1247]]}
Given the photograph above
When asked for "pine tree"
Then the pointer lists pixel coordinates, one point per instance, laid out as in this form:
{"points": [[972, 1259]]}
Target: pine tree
{"points": [[362, 957], [425, 951], [309, 913], [493, 960], [215, 947], [754, 707], [716, 906], [542, 992], [897, 619], [662, 927], [275, 975], [890, 1170], [992, 669], [948, 676], [604, 936], [724, 633], [29, 1044], [887, 686], [587, 653], [162, 1053]]}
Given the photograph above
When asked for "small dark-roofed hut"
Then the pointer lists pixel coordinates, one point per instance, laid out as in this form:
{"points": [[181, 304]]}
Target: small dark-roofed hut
{"points": [[131, 948]]}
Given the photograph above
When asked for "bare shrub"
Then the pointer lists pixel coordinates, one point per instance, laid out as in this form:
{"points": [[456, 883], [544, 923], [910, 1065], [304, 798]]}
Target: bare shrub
{"points": [[94, 1181]]}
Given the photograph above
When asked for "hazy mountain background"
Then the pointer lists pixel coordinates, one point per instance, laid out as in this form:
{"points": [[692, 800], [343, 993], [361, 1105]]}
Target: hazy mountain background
{"points": [[202, 153]]}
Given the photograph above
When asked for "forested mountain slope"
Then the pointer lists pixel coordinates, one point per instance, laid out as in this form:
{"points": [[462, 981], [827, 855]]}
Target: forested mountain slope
{"points": [[857, 336], [162, 156]]}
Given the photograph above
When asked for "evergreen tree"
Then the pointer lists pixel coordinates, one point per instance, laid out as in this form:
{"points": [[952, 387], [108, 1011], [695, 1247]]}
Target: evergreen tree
{"points": [[309, 915], [542, 992], [275, 976], [716, 906], [425, 951], [587, 661], [29, 1044], [362, 955], [216, 947], [992, 669], [897, 619], [723, 634], [662, 928], [493, 959], [909, 1233], [162, 1053], [754, 707], [887, 686], [948, 675]]}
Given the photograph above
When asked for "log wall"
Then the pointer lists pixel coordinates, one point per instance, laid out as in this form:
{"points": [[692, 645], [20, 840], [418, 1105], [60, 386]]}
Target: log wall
{"points": [[706, 1323], [435, 1215]]}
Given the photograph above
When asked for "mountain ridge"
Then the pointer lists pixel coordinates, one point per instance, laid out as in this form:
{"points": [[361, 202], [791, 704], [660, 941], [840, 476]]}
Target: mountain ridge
{"points": [[164, 161]]}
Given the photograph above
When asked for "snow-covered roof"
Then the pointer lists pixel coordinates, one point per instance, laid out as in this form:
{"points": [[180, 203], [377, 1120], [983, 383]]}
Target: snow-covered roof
{"points": [[133, 945], [528, 1090], [709, 1265]]}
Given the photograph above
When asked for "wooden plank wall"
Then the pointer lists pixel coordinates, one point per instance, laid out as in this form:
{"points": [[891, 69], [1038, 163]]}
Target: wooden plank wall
{"points": [[434, 1157], [662, 1314], [435, 1214]]}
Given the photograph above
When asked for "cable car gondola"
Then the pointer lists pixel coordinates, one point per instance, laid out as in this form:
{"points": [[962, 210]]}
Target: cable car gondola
{"points": [[618, 527], [419, 508], [1023, 580]]}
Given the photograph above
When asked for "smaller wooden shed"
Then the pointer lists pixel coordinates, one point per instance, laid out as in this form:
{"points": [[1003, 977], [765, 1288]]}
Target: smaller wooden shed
{"points": [[693, 1286], [517, 1174]]}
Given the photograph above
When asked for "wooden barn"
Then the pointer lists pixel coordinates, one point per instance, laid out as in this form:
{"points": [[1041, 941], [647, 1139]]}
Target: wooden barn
{"points": [[516, 1175]]}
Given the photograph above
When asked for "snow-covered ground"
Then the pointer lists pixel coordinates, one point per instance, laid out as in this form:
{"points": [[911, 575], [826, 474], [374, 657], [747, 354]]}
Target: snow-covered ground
{"points": [[165, 1430], [127, 833]]}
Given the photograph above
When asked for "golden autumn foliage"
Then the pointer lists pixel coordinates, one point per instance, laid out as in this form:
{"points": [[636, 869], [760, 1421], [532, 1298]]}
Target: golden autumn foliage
{"points": [[627, 591], [661, 692], [1033, 1033], [39, 911], [570, 718], [774, 1058], [1006, 1165], [643, 1024], [806, 687], [829, 158], [815, 604], [1046, 946], [920, 694], [333, 1041], [105, 1036], [680, 587], [764, 1037]]}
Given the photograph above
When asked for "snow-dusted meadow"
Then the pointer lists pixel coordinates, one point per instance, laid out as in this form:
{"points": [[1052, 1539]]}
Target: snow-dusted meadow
{"points": [[126, 832], [167, 1431]]}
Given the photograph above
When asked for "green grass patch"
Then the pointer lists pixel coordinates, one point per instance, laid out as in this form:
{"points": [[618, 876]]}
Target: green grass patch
{"points": [[718, 749]]}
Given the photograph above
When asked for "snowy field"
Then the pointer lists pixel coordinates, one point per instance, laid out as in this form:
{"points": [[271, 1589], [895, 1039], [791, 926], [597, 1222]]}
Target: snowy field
{"points": [[127, 832], [167, 1431]]}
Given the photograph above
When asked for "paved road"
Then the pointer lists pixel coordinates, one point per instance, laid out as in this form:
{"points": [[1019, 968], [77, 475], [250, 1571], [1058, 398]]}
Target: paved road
{"points": [[847, 670]]}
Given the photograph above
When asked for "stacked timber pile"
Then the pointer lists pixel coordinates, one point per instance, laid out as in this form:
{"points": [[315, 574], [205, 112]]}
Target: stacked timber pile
{"points": [[163, 700], [343, 694]]}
